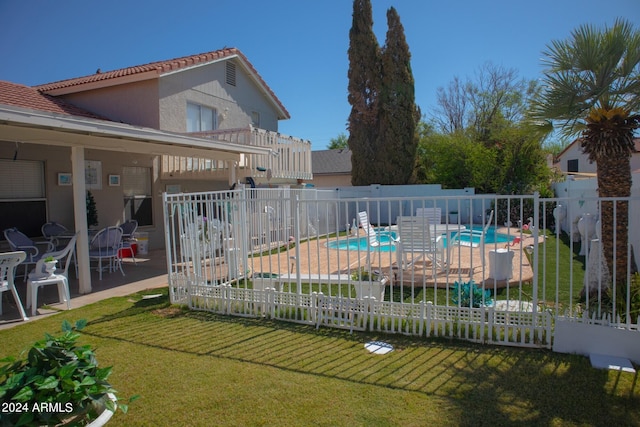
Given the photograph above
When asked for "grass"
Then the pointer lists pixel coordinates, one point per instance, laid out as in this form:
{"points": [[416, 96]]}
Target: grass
{"points": [[200, 369]]}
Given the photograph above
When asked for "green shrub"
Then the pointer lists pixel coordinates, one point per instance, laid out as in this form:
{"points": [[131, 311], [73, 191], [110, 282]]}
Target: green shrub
{"points": [[364, 275], [59, 381], [621, 300]]}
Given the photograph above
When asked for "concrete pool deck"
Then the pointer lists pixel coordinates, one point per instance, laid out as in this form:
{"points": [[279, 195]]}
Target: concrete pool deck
{"points": [[316, 257]]}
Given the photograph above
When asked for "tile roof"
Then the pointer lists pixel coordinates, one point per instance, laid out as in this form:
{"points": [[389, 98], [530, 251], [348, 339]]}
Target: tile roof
{"points": [[161, 67], [18, 95], [336, 161]]}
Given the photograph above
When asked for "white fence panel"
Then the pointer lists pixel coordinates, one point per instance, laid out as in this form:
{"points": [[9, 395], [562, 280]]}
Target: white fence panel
{"points": [[295, 255]]}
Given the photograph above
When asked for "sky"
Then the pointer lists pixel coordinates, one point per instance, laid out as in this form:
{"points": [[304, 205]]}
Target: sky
{"points": [[299, 47]]}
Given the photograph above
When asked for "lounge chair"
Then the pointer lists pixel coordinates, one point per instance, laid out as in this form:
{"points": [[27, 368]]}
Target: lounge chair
{"points": [[373, 240], [369, 231]]}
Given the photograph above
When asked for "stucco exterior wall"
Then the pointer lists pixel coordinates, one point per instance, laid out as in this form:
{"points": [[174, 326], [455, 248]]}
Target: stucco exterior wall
{"points": [[133, 103], [575, 152], [109, 200], [206, 85], [584, 166], [331, 181]]}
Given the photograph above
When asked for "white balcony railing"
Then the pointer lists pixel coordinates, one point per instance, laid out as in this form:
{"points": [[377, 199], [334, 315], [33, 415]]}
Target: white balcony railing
{"points": [[290, 158]]}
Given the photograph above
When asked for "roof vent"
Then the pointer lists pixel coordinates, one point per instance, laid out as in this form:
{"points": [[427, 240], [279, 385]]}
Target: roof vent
{"points": [[231, 73]]}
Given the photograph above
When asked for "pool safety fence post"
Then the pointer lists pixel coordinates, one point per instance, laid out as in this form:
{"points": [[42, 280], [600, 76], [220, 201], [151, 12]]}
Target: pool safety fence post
{"points": [[296, 224], [536, 222]]}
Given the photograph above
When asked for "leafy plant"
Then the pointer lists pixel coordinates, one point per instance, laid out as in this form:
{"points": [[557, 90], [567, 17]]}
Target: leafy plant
{"points": [[364, 275], [58, 382], [620, 300], [467, 294], [49, 259]]}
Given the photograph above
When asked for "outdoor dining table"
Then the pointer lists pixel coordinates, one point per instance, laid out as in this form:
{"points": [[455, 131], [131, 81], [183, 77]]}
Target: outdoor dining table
{"points": [[437, 229]]}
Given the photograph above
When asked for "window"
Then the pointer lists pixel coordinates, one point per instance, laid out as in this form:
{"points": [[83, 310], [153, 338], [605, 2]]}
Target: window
{"points": [[231, 73], [572, 165], [136, 183], [255, 119], [201, 118], [22, 196], [21, 179]]}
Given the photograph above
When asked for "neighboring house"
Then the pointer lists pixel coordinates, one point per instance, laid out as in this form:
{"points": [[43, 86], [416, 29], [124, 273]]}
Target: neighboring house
{"points": [[572, 161], [198, 123], [331, 168]]}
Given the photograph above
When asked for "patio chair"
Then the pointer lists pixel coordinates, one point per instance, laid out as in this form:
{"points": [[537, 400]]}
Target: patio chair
{"points": [[415, 236], [59, 235], [51, 231], [369, 231], [128, 237], [434, 215], [8, 263], [18, 241], [472, 238], [105, 246], [40, 277]]}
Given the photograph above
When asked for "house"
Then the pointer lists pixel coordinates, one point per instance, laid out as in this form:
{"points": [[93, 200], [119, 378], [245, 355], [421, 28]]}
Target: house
{"points": [[572, 161], [331, 168], [197, 123]]}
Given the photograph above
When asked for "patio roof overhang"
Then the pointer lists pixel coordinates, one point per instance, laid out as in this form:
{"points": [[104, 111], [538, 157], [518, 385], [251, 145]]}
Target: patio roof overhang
{"points": [[79, 133], [36, 127]]}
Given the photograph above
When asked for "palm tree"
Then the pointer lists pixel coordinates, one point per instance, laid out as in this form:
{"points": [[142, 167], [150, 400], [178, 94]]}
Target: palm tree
{"points": [[591, 88]]}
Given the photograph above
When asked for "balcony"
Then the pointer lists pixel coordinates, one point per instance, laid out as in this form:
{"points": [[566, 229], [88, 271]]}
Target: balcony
{"points": [[290, 158]]}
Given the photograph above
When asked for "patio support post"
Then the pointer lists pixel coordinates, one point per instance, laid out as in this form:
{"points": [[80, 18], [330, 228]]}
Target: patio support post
{"points": [[80, 215]]}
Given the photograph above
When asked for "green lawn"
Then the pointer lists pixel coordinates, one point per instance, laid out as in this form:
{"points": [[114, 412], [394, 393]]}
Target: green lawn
{"points": [[194, 368]]}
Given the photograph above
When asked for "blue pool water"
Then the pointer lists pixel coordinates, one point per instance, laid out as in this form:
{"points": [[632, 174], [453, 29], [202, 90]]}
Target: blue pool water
{"points": [[386, 238], [492, 236], [360, 244]]}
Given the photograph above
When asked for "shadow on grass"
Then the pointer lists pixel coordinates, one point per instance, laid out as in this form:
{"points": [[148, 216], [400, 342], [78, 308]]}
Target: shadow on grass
{"points": [[487, 385]]}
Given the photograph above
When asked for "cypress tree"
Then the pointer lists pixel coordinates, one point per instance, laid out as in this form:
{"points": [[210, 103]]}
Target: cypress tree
{"points": [[398, 114], [92, 211], [364, 78]]}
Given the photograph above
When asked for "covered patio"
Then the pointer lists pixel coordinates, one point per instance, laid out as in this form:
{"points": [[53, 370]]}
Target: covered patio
{"points": [[31, 134], [149, 272]]}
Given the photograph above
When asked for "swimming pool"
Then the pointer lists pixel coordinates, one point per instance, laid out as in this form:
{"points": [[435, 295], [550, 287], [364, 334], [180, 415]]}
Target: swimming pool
{"points": [[492, 236], [386, 239]]}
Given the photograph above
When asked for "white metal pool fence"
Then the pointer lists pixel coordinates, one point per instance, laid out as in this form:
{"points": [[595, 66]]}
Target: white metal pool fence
{"points": [[273, 253]]}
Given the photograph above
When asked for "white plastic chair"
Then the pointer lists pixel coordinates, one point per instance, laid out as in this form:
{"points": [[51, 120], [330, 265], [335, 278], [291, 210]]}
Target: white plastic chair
{"points": [[373, 240], [105, 246], [414, 233], [434, 215], [40, 277], [8, 263]]}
